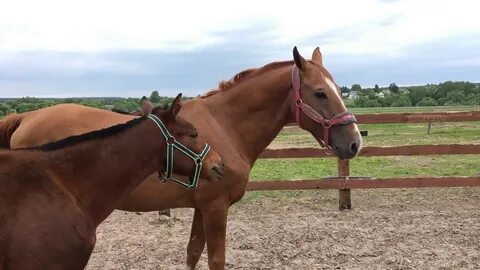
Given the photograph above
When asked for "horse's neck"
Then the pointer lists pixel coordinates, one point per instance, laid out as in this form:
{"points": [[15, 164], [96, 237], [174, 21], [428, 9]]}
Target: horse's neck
{"points": [[99, 172], [256, 110]]}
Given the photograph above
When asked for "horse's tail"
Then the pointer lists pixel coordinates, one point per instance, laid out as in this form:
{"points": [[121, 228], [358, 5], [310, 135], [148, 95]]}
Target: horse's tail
{"points": [[8, 125]]}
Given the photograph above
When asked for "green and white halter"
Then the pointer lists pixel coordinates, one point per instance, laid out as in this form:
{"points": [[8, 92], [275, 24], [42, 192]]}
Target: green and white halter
{"points": [[171, 145]]}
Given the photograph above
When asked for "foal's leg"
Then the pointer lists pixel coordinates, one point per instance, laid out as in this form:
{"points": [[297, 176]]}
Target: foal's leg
{"points": [[196, 244], [215, 226]]}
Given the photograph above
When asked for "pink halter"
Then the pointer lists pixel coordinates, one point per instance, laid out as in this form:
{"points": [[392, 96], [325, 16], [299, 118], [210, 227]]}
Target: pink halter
{"points": [[339, 119]]}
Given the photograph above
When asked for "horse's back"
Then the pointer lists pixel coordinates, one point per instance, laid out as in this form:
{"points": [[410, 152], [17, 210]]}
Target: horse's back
{"points": [[60, 121]]}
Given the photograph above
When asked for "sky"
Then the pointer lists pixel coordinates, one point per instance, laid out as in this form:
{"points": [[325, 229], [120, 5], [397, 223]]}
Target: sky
{"points": [[121, 48]]}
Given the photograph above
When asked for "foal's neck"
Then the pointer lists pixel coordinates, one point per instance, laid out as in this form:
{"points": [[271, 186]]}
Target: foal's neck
{"points": [[257, 109], [99, 172]]}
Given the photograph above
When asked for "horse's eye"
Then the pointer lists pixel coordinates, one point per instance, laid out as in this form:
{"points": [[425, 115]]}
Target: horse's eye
{"points": [[194, 135], [321, 95]]}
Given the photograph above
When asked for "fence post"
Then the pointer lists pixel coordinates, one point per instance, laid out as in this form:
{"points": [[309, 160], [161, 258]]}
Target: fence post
{"points": [[429, 127], [344, 199]]}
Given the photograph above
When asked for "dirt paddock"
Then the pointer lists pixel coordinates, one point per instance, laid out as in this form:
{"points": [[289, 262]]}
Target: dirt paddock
{"points": [[387, 229]]}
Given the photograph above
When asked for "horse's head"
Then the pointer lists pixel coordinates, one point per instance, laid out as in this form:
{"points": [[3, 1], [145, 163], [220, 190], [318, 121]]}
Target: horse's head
{"points": [[182, 131], [318, 107]]}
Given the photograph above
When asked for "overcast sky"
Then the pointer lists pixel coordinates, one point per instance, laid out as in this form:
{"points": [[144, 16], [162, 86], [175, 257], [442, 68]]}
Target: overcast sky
{"points": [[129, 48]]}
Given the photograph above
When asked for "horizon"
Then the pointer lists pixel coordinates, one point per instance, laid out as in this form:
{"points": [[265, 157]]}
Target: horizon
{"points": [[147, 94]]}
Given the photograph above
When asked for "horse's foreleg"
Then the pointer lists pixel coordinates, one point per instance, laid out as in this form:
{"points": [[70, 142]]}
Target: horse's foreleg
{"points": [[196, 244], [215, 227]]}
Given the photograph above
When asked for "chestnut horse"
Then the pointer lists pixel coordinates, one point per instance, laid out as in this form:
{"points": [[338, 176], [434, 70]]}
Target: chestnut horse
{"points": [[52, 198], [239, 120]]}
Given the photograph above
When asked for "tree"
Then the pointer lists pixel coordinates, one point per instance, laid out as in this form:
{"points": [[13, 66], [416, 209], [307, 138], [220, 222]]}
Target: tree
{"points": [[356, 87], [401, 100], [393, 88], [416, 94], [427, 101], [377, 89], [155, 97], [455, 98], [344, 89]]}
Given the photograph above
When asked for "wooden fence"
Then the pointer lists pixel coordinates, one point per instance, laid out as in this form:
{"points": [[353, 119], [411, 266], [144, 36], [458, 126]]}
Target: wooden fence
{"points": [[344, 182]]}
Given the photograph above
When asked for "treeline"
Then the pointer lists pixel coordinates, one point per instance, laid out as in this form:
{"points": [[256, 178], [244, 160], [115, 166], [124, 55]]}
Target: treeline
{"points": [[26, 104], [448, 93]]}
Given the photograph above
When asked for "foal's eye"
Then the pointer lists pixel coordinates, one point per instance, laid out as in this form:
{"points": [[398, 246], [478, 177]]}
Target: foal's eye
{"points": [[194, 135], [321, 95]]}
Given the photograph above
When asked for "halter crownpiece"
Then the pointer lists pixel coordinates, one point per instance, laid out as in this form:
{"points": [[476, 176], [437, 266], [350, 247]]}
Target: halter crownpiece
{"points": [[343, 118], [171, 145]]}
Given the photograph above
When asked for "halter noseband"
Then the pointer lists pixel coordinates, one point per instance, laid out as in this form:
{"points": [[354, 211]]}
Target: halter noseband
{"points": [[171, 144], [342, 118]]}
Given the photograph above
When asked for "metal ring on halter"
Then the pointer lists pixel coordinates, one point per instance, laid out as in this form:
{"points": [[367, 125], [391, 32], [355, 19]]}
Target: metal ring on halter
{"points": [[299, 102], [326, 123]]}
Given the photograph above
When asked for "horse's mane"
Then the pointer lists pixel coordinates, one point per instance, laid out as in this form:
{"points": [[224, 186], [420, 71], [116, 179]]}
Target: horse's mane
{"points": [[242, 76], [120, 111], [97, 134]]}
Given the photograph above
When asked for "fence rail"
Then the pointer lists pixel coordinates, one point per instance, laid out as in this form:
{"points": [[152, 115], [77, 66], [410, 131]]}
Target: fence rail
{"points": [[344, 182], [375, 151]]}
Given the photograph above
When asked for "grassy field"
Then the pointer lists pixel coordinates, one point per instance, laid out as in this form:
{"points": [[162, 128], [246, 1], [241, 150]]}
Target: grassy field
{"points": [[381, 135]]}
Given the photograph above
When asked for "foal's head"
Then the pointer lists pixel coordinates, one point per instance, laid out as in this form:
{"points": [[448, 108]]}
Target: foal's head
{"points": [[336, 128], [185, 133]]}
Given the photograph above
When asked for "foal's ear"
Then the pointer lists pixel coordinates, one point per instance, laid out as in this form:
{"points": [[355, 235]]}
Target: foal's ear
{"points": [[176, 106], [317, 56], [300, 62], [147, 106]]}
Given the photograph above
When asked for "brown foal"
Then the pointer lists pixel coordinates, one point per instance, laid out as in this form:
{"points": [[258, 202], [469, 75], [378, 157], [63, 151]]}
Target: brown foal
{"points": [[52, 198]]}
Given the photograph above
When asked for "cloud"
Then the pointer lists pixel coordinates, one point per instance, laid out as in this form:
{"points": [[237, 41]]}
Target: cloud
{"points": [[120, 48]]}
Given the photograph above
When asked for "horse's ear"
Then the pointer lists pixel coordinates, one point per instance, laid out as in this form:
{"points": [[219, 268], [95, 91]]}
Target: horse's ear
{"points": [[147, 106], [317, 56], [299, 60], [176, 106]]}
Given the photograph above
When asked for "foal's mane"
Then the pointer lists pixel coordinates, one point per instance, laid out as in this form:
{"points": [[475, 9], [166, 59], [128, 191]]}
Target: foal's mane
{"points": [[244, 75], [93, 135]]}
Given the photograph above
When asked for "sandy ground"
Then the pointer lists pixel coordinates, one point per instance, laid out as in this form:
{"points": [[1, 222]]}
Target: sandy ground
{"points": [[387, 229]]}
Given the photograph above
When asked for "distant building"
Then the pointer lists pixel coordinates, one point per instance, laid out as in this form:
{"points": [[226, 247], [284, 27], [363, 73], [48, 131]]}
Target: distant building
{"points": [[380, 95]]}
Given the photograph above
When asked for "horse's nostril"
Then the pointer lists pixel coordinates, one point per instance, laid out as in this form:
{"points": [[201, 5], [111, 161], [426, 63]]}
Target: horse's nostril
{"points": [[219, 169], [354, 148]]}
